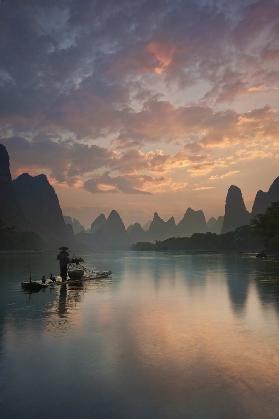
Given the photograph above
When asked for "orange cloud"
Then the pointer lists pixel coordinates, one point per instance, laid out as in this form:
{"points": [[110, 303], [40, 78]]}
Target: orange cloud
{"points": [[224, 175], [194, 142], [163, 54]]}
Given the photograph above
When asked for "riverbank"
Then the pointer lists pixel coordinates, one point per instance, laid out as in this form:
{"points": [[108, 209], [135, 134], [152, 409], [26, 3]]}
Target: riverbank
{"points": [[242, 240]]}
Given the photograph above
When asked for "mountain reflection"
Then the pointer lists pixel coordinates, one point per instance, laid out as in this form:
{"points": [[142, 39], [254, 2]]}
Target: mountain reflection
{"points": [[267, 285], [191, 272], [168, 268], [239, 273], [169, 335], [62, 301]]}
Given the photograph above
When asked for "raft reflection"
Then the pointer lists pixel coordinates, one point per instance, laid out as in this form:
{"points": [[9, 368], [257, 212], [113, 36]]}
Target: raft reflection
{"points": [[168, 336]]}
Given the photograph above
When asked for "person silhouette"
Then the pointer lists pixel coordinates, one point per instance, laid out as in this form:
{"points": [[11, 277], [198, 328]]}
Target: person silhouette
{"points": [[52, 278], [63, 257]]}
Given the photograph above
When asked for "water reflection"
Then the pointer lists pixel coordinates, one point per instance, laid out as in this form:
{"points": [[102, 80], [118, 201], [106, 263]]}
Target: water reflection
{"points": [[169, 336], [164, 268], [62, 301], [267, 284], [239, 272]]}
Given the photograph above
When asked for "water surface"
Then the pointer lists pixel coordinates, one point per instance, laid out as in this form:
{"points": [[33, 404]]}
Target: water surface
{"points": [[168, 336]]}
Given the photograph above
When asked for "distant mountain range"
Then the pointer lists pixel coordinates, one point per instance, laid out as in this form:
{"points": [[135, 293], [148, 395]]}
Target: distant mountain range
{"points": [[29, 203], [74, 223], [111, 232]]}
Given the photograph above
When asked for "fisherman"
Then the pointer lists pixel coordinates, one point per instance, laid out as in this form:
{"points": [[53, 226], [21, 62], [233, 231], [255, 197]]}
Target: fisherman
{"points": [[63, 257], [43, 279], [52, 278]]}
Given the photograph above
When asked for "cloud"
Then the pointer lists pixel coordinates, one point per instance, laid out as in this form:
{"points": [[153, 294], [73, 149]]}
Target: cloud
{"points": [[224, 175], [138, 96], [270, 54], [163, 55], [79, 63], [203, 188], [63, 161], [129, 184], [200, 141]]}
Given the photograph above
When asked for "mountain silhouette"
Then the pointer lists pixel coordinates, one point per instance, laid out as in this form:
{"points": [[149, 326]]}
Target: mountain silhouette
{"points": [[112, 234], [136, 233], [236, 214], [98, 223], [156, 227], [170, 227], [41, 208], [147, 225], [30, 204], [10, 211], [214, 225], [114, 224], [192, 222], [160, 229], [74, 223], [264, 200]]}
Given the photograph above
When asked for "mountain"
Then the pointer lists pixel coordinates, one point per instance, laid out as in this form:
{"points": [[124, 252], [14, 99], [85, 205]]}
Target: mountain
{"points": [[114, 224], [160, 229], [236, 214], [264, 200], [41, 208], [136, 233], [211, 225], [147, 225], [170, 227], [10, 211], [98, 223], [74, 223], [30, 204], [77, 226], [105, 233], [156, 228], [5, 174], [112, 234], [68, 220], [192, 222], [214, 225]]}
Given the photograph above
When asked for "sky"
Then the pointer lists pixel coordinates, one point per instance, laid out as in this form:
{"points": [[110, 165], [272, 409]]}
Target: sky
{"points": [[141, 105]]}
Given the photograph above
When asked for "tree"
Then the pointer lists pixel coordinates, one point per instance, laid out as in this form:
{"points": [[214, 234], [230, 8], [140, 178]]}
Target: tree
{"points": [[5, 228], [10, 239], [267, 226]]}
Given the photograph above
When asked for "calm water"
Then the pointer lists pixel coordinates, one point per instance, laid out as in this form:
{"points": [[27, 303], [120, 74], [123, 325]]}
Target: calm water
{"points": [[169, 336]]}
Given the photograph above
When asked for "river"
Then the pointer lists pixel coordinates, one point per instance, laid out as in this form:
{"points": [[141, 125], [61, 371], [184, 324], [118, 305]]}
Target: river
{"points": [[168, 336]]}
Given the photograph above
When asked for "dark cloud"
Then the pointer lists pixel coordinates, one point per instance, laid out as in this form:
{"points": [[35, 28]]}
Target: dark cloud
{"points": [[88, 166], [129, 184], [63, 160], [89, 88], [197, 134], [63, 59]]}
